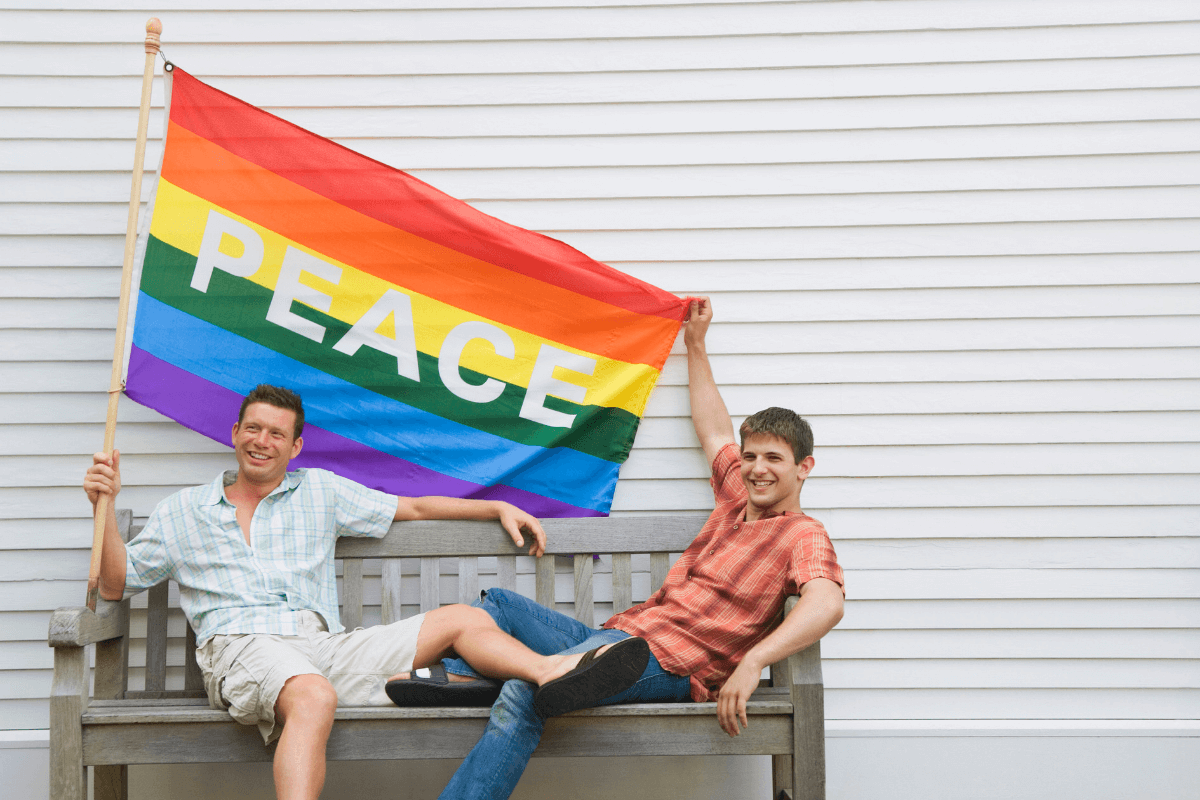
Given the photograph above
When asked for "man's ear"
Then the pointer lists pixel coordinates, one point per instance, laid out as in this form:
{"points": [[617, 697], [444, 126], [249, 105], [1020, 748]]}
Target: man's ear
{"points": [[805, 466], [233, 434], [296, 447]]}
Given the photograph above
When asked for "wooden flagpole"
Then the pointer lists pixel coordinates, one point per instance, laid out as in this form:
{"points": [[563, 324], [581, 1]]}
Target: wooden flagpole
{"points": [[153, 32]]}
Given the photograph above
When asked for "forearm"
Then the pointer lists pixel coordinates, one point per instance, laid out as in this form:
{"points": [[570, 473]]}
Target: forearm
{"points": [[511, 518], [820, 608], [410, 508], [112, 560], [710, 417]]}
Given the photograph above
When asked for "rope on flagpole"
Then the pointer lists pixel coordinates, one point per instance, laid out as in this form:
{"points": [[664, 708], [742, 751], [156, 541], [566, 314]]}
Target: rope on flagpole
{"points": [[153, 32]]}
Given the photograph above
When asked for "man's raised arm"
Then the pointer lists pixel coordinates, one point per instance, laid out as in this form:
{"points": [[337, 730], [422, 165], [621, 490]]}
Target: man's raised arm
{"points": [[714, 428]]}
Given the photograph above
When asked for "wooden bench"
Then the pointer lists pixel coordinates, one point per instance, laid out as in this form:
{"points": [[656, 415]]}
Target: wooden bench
{"points": [[157, 725]]}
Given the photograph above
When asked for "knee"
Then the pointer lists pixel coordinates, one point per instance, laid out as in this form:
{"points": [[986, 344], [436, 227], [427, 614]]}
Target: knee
{"points": [[309, 697], [457, 618], [474, 617], [497, 595], [517, 695], [513, 709]]}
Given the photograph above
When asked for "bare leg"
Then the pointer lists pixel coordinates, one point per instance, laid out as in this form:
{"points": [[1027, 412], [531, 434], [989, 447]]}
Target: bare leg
{"points": [[305, 709], [472, 634]]}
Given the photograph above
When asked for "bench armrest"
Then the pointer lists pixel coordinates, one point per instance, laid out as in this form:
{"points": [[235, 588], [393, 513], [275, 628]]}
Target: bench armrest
{"points": [[78, 626]]}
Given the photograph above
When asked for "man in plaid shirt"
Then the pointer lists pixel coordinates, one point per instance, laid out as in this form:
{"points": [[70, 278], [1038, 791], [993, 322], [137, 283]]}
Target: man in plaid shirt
{"points": [[715, 623]]}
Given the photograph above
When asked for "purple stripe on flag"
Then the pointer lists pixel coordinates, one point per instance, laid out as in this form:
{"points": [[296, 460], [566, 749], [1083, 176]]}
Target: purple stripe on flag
{"points": [[212, 410]]}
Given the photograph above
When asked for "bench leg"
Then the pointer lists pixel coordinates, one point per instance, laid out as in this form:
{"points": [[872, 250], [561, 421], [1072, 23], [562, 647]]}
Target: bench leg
{"points": [[111, 783], [808, 760], [781, 778], [68, 693]]}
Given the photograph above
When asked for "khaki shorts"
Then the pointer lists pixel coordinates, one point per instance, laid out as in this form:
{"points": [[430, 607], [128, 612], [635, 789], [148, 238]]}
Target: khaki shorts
{"points": [[244, 673]]}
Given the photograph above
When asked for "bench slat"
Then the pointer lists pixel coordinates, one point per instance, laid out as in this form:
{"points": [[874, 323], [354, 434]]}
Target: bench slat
{"points": [[506, 572], [431, 595], [660, 563], [193, 679], [167, 695], [468, 580], [443, 737], [390, 610], [156, 638], [622, 582], [352, 593], [544, 577], [112, 659], [132, 712], [453, 538], [585, 610]]}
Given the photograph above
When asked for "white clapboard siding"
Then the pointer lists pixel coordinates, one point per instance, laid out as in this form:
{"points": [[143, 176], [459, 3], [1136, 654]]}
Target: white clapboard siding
{"points": [[960, 236], [1043, 205], [44, 184], [232, 55], [680, 149], [574, 116]]}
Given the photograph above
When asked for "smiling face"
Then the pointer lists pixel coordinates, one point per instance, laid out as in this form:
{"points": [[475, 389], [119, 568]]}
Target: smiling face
{"points": [[264, 442], [771, 475]]}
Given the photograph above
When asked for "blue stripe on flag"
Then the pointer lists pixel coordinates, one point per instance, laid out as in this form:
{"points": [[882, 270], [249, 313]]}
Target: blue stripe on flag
{"points": [[372, 419]]}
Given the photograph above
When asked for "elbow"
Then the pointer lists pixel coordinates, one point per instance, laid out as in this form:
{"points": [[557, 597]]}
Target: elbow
{"points": [[833, 608], [836, 613]]}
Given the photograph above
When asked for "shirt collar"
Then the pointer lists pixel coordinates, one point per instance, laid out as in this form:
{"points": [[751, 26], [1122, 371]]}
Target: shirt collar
{"points": [[214, 493], [771, 514]]}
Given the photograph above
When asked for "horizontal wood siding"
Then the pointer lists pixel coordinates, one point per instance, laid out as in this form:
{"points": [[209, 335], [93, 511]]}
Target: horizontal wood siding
{"points": [[961, 237]]}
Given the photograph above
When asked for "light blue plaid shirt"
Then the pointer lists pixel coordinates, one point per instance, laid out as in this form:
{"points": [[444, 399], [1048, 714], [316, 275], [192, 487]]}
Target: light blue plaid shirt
{"points": [[227, 586]]}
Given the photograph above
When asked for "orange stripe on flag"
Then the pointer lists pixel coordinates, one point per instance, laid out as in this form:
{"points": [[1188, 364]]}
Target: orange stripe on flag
{"points": [[408, 261]]}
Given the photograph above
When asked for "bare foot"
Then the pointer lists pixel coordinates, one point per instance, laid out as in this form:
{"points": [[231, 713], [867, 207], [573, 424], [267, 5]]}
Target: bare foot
{"points": [[557, 666]]}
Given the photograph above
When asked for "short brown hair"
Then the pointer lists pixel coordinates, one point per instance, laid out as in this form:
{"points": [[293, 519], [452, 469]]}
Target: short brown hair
{"points": [[784, 424], [280, 398]]}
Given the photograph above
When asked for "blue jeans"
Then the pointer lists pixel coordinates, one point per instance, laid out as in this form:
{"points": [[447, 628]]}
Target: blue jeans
{"points": [[493, 767]]}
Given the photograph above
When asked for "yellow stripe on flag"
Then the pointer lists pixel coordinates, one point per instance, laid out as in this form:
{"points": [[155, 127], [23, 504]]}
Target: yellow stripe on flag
{"points": [[180, 218]]}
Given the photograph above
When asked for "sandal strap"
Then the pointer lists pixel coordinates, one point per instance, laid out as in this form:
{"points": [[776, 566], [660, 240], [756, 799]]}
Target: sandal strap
{"points": [[435, 674], [588, 658]]}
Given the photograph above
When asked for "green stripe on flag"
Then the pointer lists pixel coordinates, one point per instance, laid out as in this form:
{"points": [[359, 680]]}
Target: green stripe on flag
{"points": [[240, 306]]}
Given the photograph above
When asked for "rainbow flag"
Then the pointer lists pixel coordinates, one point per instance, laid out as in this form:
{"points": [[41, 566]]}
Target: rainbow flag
{"points": [[438, 350]]}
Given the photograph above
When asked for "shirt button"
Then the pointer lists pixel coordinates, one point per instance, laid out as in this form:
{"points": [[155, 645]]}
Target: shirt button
{"points": [[735, 527]]}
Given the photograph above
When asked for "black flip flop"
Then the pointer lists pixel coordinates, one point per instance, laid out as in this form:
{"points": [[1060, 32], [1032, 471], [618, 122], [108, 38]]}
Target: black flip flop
{"points": [[594, 679], [432, 687]]}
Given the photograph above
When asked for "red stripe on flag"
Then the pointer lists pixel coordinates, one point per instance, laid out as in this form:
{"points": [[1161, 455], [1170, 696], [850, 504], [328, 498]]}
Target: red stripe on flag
{"points": [[380, 191]]}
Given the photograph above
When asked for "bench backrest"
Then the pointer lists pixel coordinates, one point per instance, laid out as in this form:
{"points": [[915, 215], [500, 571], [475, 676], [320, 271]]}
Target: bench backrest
{"points": [[634, 551]]}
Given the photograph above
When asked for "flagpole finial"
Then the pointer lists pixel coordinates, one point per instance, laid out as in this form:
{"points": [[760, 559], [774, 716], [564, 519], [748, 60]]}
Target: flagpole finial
{"points": [[153, 31]]}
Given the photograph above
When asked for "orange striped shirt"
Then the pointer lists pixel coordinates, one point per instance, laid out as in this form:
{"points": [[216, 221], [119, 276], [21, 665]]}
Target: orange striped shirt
{"points": [[726, 592]]}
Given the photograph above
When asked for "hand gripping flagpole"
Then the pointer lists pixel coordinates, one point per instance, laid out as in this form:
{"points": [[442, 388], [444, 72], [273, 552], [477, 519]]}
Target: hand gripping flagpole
{"points": [[153, 32]]}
